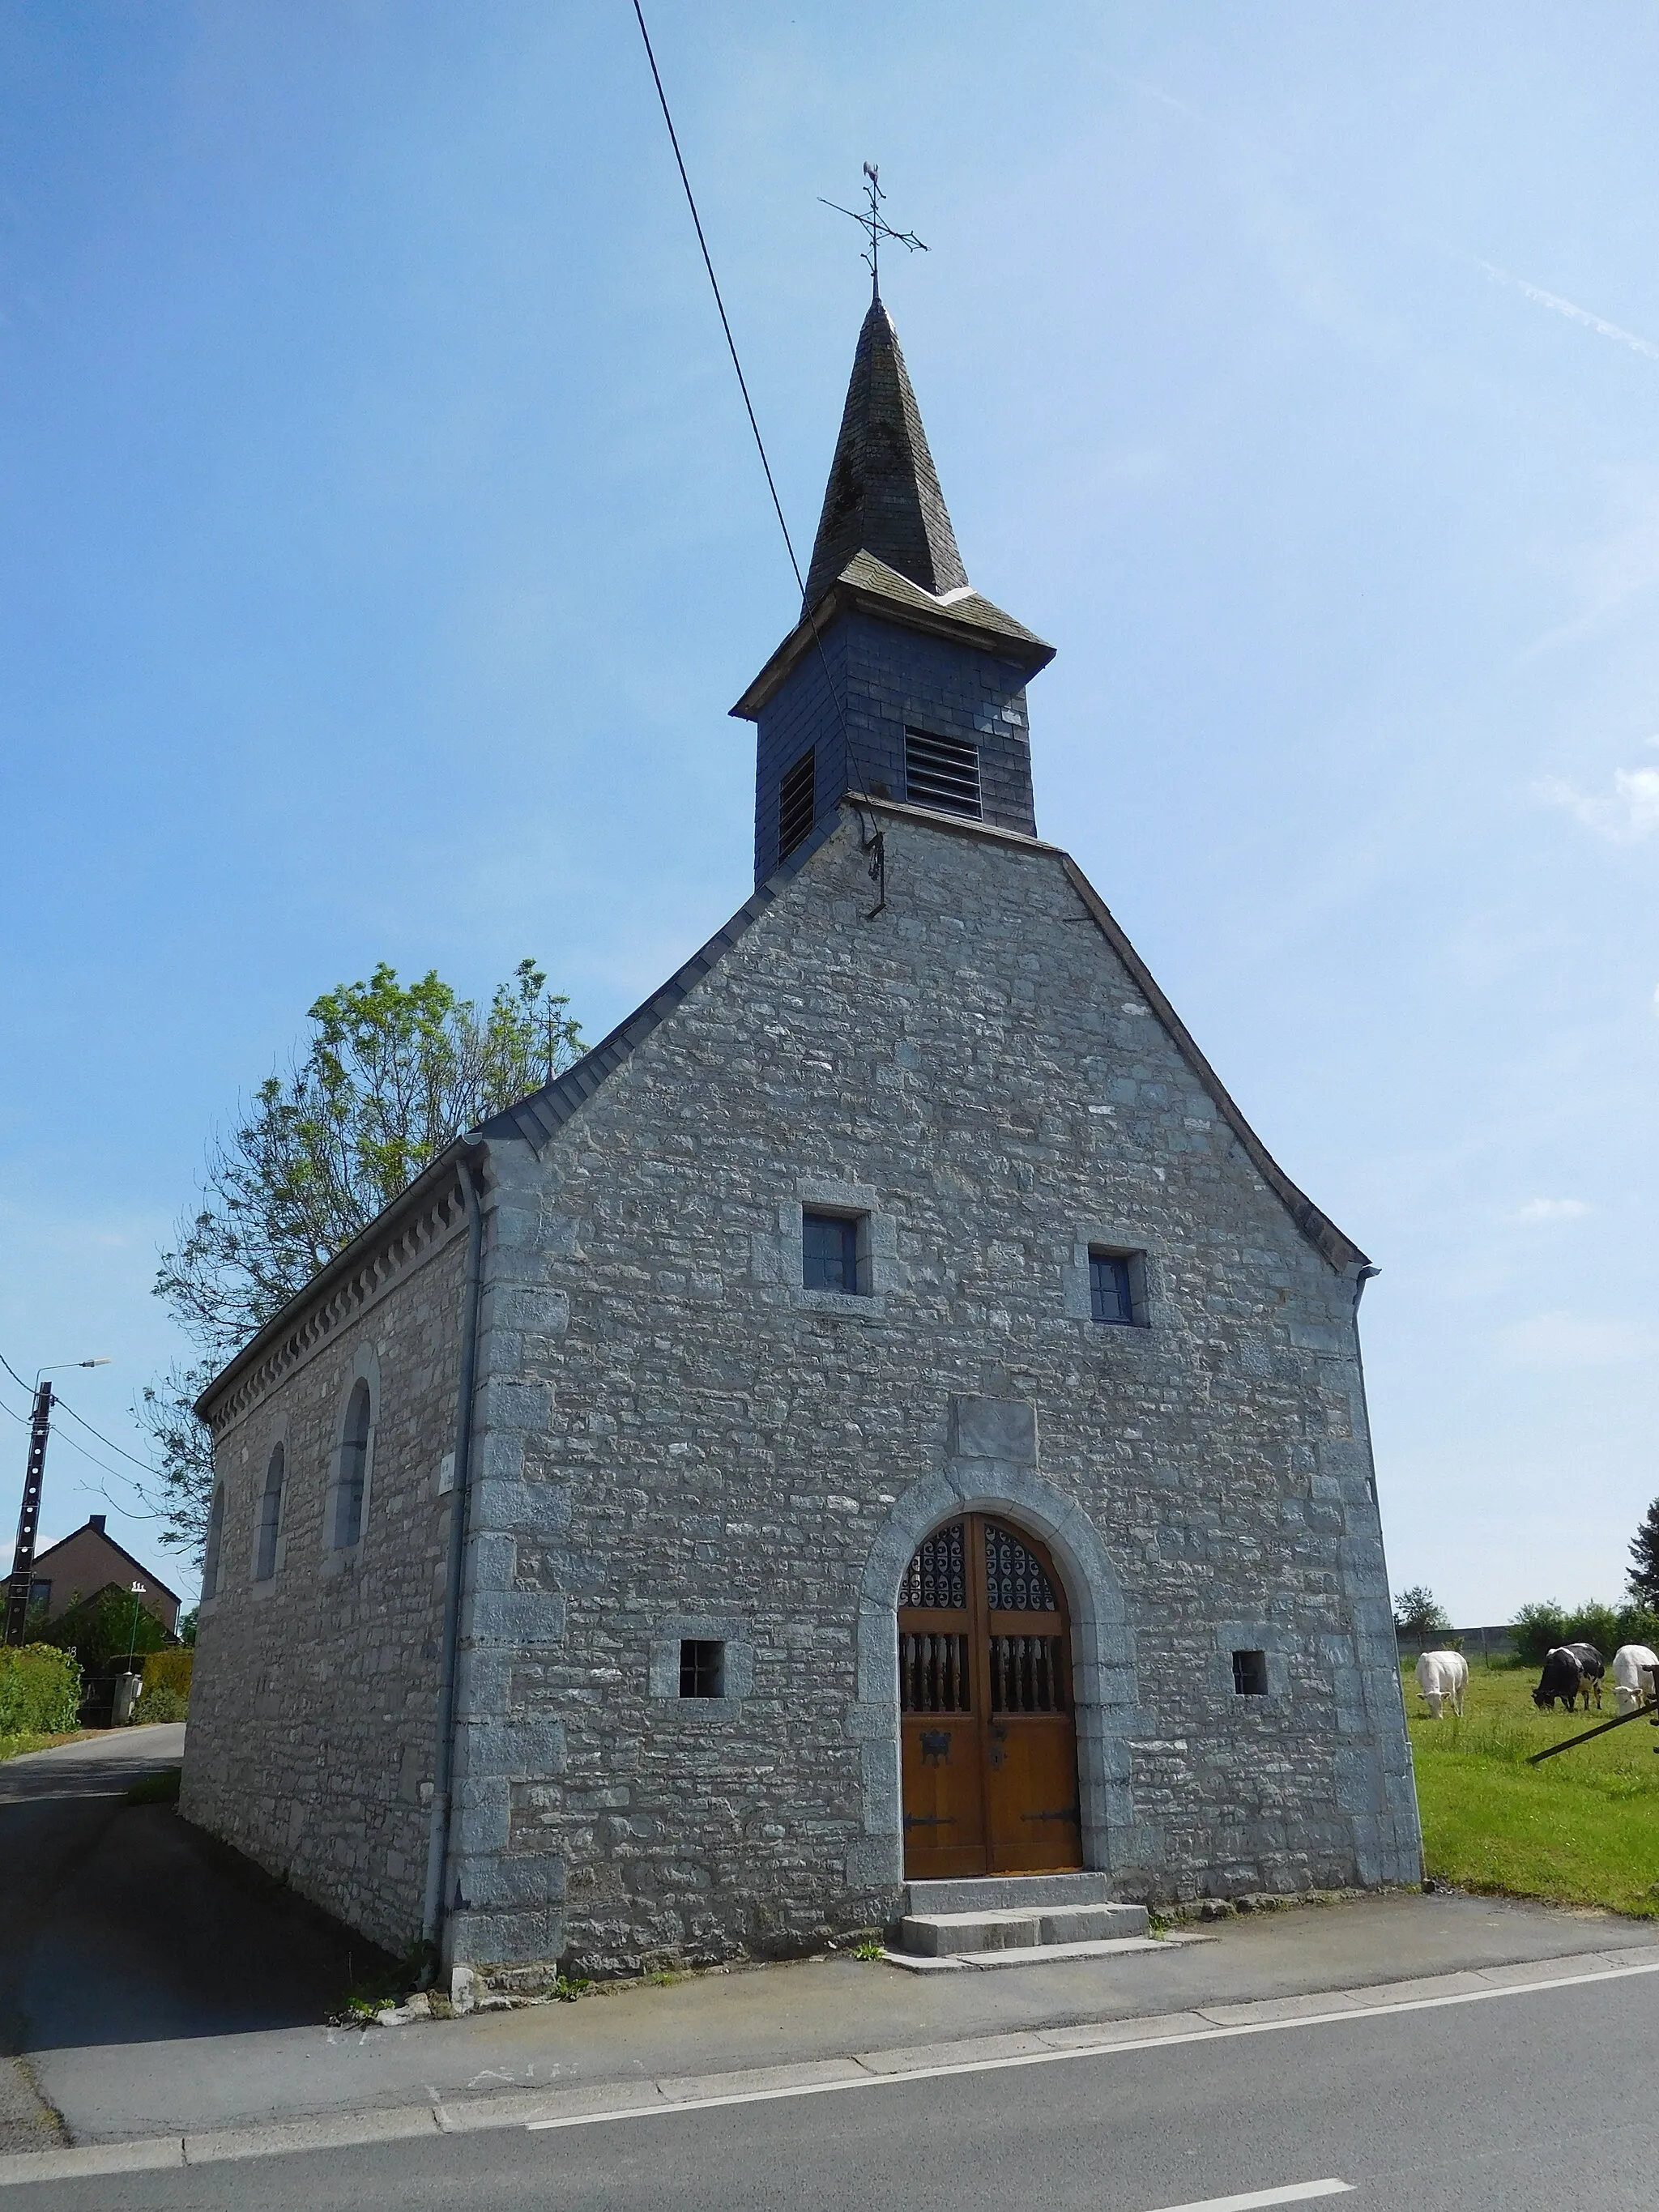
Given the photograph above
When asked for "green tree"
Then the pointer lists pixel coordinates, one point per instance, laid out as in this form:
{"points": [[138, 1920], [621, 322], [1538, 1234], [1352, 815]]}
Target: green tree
{"points": [[1643, 1580], [392, 1072], [1593, 1623], [1418, 1612], [1538, 1629], [99, 1630]]}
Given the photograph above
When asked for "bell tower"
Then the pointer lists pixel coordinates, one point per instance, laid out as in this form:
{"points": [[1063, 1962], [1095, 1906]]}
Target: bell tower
{"points": [[899, 680]]}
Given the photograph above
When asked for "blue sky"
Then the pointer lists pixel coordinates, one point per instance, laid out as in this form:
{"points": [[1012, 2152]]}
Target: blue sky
{"points": [[381, 549]]}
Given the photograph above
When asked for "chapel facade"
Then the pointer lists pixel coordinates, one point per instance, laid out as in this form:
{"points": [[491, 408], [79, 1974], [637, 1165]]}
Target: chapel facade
{"points": [[882, 1416]]}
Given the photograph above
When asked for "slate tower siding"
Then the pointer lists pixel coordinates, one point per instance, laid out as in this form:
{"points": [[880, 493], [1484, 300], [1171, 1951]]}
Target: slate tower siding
{"points": [[885, 678], [680, 1441]]}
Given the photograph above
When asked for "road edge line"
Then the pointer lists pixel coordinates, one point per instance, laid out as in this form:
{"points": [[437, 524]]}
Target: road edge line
{"points": [[383, 2123]]}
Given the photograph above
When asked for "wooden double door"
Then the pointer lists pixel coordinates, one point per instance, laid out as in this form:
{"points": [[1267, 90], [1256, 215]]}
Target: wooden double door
{"points": [[985, 1706]]}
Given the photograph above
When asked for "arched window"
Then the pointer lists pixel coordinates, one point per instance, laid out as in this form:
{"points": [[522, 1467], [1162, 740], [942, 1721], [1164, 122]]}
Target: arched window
{"points": [[271, 1518], [214, 1531], [354, 1470]]}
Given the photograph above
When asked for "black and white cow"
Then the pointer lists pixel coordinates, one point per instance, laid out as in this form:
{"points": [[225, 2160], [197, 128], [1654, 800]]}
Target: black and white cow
{"points": [[1563, 1677], [1592, 1666]]}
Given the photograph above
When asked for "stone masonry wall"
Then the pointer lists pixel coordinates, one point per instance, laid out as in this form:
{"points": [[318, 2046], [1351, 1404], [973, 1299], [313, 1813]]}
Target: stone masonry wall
{"points": [[678, 1440], [314, 1707]]}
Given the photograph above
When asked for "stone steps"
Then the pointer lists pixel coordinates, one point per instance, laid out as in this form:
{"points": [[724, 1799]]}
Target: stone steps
{"points": [[1014, 1912]]}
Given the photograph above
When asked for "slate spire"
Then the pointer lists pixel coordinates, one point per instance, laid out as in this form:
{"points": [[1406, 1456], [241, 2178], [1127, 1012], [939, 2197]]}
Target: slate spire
{"points": [[882, 497]]}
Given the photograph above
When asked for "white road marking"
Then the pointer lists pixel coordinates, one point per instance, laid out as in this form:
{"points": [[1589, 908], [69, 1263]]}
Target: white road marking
{"points": [[1084, 2051], [1295, 2192]]}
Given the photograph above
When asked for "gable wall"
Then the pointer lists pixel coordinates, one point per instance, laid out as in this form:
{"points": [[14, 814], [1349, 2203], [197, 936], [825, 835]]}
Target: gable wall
{"points": [[680, 1441]]}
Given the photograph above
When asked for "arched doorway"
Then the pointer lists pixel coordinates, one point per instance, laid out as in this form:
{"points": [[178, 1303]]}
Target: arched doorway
{"points": [[989, 1742]]}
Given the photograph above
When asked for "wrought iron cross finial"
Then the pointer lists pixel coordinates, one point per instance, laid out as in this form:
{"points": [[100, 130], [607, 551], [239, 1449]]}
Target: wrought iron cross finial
{"points": [[875, 226]]}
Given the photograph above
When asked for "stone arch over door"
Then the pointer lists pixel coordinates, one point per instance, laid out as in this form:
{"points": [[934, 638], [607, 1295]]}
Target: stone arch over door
{"points": [[997, 1482]]}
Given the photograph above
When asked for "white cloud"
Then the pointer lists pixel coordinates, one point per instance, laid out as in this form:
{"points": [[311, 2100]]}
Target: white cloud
{"points": [[1629, 812], [1552, 1209]]}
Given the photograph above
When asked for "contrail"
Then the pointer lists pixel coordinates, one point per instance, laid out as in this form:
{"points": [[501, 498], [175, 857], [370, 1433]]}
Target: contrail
{"points": [[1590, 322]]}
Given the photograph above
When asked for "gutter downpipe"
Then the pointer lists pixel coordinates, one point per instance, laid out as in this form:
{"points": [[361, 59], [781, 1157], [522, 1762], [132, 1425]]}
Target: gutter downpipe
{"points": [[1366, 1274], [437, 1854]]}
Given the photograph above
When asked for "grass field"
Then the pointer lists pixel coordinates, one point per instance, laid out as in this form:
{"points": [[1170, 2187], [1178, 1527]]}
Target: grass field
{"points": [[1583, 1829]]}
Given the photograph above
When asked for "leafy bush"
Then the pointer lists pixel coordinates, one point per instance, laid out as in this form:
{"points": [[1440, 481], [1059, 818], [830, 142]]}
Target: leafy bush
{"points": [[168, 1670], [157, 1705], [40, 1692], [1538, 1629], [1594, 1624], [165, 1695]]}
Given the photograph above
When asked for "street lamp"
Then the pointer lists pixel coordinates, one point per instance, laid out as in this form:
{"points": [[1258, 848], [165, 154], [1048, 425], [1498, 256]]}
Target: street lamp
{"points": [[137, 1590]]}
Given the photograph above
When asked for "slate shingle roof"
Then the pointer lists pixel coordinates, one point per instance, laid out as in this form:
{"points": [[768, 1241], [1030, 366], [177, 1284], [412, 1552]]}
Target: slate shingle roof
{"points": [[882, 497]]}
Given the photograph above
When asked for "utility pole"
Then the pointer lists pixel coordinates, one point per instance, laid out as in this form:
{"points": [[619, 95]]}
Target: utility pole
{"points": [[28, 1521]]}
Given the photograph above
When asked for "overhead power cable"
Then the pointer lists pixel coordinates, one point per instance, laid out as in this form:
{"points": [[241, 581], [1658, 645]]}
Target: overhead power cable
{"points": [[149, 1466], [64, 1405], [870, 837]]}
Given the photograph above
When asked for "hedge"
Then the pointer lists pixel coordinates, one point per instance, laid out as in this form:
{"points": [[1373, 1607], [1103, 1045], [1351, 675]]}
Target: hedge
{"points": [[166, 1685], [40, 1691]]}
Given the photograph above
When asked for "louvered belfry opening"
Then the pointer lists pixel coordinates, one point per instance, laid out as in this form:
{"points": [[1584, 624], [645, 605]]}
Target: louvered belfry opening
{"points": [[942, 772], [989, 1742], [797, 796]]}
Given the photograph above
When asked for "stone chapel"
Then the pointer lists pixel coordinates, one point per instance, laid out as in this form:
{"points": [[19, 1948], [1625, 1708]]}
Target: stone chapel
{"points": [[879, 1435]]}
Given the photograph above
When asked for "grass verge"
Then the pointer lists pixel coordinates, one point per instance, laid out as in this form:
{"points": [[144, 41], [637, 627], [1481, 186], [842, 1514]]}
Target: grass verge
{"points": [[1583, 1829], [156, 1788], [14, 1747]]}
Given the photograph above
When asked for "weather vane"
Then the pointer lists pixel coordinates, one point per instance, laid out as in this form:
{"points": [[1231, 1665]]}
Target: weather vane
{"points": [[875, 226]]}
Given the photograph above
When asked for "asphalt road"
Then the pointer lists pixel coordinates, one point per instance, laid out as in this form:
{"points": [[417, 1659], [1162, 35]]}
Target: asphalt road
{"points": [[1540, 2100], [123, 1926]]}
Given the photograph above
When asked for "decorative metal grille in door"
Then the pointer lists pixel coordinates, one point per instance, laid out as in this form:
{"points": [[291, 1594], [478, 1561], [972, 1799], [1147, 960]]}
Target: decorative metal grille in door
{"points": [[988, 1742]]}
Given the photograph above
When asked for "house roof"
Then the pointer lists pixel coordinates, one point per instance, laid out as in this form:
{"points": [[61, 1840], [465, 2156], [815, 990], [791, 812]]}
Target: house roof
{"points": [[538, 1117], [89, 1528]]}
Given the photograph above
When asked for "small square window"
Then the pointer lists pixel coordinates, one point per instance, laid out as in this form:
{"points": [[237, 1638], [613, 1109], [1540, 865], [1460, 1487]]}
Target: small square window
{"points": [[702, 1667], [1250, 1674], [830, 1253], [1111, 1294]]}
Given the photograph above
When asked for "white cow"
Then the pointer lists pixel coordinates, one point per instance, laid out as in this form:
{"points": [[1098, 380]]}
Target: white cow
{"points": [[1443, 1676], [1630, 1688]]}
